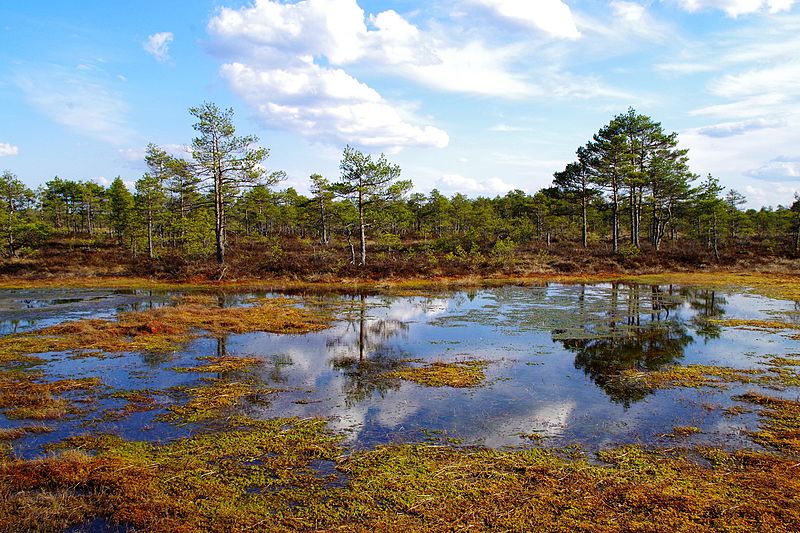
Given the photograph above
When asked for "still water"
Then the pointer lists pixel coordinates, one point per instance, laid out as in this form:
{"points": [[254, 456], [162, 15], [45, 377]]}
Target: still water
{"points": [[554, 354]]}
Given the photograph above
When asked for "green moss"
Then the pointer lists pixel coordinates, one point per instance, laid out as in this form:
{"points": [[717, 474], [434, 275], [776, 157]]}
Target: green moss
{"points": [[459, 374], [692, 376], [780, 421], [272, 475], [211, 399]]}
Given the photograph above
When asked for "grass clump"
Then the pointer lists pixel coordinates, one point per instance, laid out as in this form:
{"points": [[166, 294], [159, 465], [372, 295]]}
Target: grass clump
{"points": [[459, 374], [163, 329], [259, 475], [7, 434], [685, 431], [780, 425], [690, 376], [137, 401], [23, 396], [755, 324], [221, 364], [209, 399]]}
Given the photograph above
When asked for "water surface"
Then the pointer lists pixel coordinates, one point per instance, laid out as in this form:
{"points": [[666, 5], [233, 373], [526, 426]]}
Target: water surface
{"points": [[554, 353]]}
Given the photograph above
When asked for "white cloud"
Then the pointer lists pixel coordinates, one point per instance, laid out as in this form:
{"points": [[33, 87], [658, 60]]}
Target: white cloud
{"points": [[553, 17], [106, 182], [270, 33], [772, 194], [288, 62], [78, 100], [755, 149], [778, 169], [157, 45], [729, 129], [734, 8], [7, 149], [329, 104], [451, 183]]}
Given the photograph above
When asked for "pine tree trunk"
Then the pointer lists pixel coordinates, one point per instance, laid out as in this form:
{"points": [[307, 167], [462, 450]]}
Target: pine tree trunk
{"points": [[149, 232], [362, 229], [585, 228], [219, 216]]}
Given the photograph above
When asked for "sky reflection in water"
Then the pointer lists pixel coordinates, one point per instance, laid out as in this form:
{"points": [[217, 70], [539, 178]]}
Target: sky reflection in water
{"points": [[554, 352]]}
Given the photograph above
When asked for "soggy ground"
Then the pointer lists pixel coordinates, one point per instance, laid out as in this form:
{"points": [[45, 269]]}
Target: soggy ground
{"points": [[554, 359]]}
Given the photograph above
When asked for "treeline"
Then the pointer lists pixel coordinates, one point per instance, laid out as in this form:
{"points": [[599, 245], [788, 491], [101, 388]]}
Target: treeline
{"points": [[629, 191]]}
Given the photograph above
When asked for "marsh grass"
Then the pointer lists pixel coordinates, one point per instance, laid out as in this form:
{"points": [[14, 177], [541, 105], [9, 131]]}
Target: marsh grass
{"points": [[221, 364], [164, 329], [209, 399], [690, 376], [22, 396], [265, 475], [7, 434], [780, 421], [458, 374]]}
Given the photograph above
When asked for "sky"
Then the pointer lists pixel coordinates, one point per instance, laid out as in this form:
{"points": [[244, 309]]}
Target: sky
{"points": [[471, 96]]}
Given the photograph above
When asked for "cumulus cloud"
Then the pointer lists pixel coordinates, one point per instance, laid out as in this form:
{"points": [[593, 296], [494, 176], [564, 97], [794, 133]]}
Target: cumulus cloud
{"points": [[781, 168], [734, 8], [7, 149], [78, 100], [463, 184], [552, 17], [157, 45], [329, 104], [272, 33], [288, 62]]}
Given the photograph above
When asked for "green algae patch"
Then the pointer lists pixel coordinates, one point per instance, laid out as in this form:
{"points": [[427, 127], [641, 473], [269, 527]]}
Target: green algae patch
{"points": [[780, 422], [459, 374], [690, 376], [221, 364]]}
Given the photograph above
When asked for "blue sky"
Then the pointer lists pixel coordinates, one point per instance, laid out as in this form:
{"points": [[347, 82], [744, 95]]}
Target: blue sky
{"points": [[473, 96]]}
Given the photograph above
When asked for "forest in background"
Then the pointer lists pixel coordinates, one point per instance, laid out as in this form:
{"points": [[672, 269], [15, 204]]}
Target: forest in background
{"points": [[629, 201]]}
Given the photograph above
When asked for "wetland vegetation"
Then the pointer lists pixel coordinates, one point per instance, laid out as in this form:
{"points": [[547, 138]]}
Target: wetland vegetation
{"points": [[367, 358], [611, 405]]}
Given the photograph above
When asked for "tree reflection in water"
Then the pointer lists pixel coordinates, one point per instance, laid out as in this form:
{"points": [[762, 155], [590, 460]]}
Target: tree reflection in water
{"points": [[361, 355], [636, 331]]}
